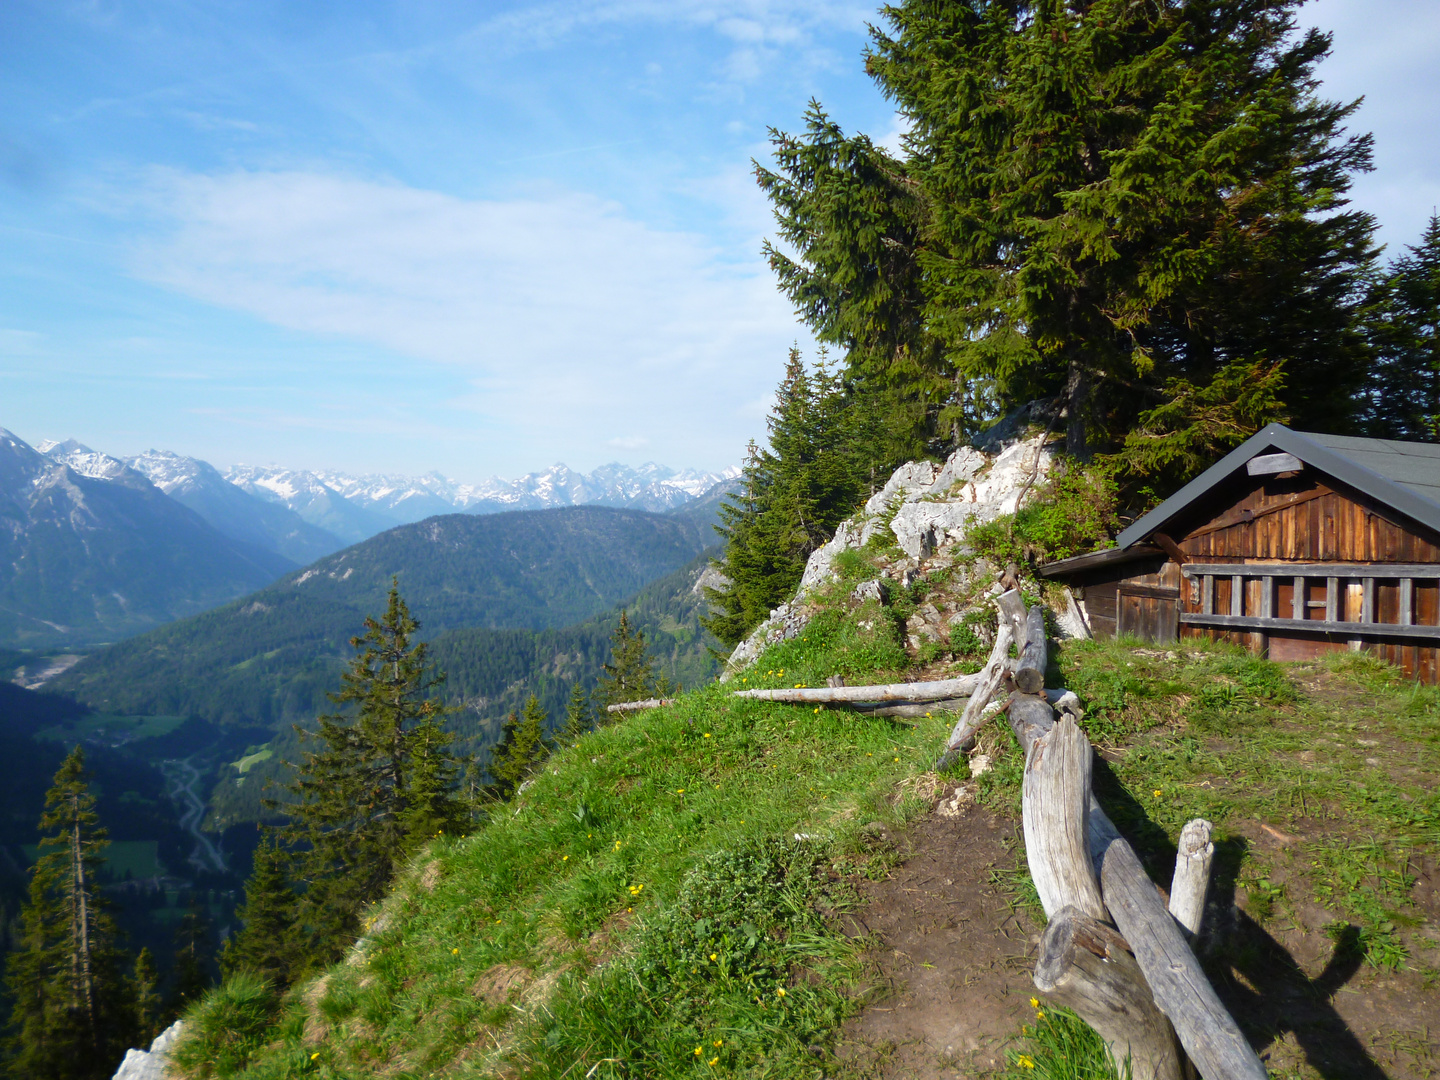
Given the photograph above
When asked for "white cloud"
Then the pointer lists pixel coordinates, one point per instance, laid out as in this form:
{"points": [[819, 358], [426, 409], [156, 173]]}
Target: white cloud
{"points": [[568, 318], [630, 442]]}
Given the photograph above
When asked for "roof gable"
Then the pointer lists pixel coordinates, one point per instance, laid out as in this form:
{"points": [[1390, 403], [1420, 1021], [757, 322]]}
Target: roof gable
{"points": [[1402, 475]]}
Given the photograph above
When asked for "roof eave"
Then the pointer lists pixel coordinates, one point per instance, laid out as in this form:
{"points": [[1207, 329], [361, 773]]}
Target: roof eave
{"points": [[1313, 454]]}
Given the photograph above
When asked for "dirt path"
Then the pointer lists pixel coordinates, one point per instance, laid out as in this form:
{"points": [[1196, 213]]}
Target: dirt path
{"points": [[952, 958], [181, 779]]}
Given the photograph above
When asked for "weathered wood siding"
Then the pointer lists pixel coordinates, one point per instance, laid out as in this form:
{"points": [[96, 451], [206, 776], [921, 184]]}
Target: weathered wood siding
{"points": [[1301, 520]]}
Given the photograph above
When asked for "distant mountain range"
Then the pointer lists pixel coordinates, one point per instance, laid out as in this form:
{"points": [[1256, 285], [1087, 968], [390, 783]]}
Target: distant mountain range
{"points": [[99, 553], [356, 507], [97, 548], [269, 657]]}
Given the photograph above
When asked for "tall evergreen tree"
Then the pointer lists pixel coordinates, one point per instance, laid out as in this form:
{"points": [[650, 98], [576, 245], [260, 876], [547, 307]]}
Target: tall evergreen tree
{"points": [[630, 674], [522, 748], [1404, 391], [376, 784], [150, 1011], [266, 943], [190, 975], [1097, 198], [72, 1018], [823, 458], [577, 715]]}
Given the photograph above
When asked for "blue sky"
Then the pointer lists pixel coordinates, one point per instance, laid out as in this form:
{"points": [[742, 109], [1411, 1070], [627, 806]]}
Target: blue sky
{"points": [[478, 238]]}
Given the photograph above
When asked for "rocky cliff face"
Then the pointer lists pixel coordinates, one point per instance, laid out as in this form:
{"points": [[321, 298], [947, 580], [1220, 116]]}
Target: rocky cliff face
{"points": [[926, 509]]}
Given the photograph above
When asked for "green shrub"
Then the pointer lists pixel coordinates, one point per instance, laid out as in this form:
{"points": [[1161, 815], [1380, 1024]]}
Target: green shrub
{"points": [[1072, 513], [225, 1027]]}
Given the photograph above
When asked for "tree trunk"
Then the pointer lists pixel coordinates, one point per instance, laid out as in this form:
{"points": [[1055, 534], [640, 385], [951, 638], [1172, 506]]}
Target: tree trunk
{"points": [[991, 679], [1077, 405], [1056, 819], [938, 690], [1034, 658], [1085, 966], [82, 919]]}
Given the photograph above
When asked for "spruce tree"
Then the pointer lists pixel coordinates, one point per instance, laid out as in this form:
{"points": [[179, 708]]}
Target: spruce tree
{"points": [[266, 942], [379, 782], [1404, 391], [820, 463], [630, 674], [72, 1018], [577, 716], [190, 974], [150, 1012], [1096, 199], [522, 748]]}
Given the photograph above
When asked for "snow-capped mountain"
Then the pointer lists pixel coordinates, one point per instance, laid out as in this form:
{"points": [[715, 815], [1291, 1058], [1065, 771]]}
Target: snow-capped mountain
{"points": [[82, 459], [313, 499], [232, 510], [91, 550], [322, 496]]}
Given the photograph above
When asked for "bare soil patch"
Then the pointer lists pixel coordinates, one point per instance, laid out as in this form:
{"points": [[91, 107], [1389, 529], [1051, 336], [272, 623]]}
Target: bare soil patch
{"points": [[952, 956]]}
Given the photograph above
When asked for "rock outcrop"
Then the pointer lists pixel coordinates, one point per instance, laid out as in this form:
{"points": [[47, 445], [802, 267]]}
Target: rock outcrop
{"points": [[151, 1064], [928, 508]]}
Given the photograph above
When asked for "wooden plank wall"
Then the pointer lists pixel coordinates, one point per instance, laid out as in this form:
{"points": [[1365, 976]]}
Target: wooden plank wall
{"points": [[1302, 520]]}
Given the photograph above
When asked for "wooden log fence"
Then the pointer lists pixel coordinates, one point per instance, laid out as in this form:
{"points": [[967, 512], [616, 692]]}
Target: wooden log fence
{"points": [[1086, 873]]}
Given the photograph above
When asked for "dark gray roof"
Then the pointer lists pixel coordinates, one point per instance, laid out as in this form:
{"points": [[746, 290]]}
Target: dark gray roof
{"points": [[1402, 475]]}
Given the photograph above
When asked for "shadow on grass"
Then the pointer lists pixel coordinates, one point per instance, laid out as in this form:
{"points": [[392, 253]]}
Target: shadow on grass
{"points": [[1265, 990]]}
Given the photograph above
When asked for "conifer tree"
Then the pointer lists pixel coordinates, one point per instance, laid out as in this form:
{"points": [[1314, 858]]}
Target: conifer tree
{"points": [[150, 1012], [1096, 198], [190, 976], [72, 1018], [822, 460], [1404, 390], [522, 748], [377, 784], [265, 944], [630, 674], [577, 716]]}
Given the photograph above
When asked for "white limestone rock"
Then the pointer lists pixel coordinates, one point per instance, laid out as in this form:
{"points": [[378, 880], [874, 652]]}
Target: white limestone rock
{"points": [[151, 1064]]}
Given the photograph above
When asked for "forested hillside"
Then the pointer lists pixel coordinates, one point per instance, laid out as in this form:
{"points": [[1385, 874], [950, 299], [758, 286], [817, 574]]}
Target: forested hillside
{"points": [[490, 673], [270, 657]]}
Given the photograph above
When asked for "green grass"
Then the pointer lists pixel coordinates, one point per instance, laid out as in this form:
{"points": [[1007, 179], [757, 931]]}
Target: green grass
{"points": [[647, 896], [119, 728], [253, 757]]}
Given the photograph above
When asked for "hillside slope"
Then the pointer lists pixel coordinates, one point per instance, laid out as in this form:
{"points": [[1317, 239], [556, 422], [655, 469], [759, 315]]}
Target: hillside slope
{"points": [[269, 657], [492, 672], [85, 559]]}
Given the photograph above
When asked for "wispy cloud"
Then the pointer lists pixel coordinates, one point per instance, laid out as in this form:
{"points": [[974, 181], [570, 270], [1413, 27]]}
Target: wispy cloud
{"points": [[565, 314]]}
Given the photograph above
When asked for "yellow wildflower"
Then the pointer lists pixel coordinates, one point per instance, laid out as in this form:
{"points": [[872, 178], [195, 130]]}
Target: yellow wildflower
{"points": [[454, 952], [714, 1061], [707, 734], [565, 858], [698, 1051], [719, 1042], [315, 1055], [1034, 1003], [713, 956], [1040, 1015], [780, 991], [1158, 793], [1025, 1061]]}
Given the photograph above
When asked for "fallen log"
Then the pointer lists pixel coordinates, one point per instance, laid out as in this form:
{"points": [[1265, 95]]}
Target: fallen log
{"points": [[1181, 991], [1192, 875], [1085, 966], [990, 680], [1034, 653], [938, 690], [648, 703], [1055, 802]]}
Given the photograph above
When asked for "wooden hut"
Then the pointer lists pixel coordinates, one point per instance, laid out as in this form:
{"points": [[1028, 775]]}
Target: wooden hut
{"points": [[1295, 544]]}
